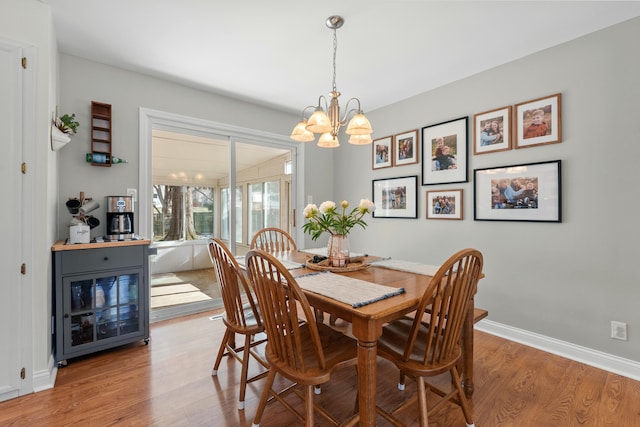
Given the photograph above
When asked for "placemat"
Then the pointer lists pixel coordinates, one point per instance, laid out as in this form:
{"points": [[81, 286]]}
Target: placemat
{"points": [[354, 292], [409, 266]]}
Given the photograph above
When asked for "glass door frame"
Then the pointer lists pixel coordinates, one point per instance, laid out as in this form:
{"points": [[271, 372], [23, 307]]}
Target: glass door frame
{"points": [[153, 119]]}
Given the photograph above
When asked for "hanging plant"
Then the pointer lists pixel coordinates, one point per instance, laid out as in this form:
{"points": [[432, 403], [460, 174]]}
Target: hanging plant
{"points": [[67, 124]]}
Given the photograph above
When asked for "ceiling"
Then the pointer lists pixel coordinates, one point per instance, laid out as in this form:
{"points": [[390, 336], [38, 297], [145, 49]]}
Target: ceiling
{"points": [[278, 53], [183, 159]]}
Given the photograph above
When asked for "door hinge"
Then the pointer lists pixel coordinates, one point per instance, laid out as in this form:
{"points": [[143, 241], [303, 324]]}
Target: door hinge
{"points": [[23, 373], [24, 62], [23, 269], [24, 168]]}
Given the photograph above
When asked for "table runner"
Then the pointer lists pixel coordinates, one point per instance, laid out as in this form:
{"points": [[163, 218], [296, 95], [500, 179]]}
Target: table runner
{"points": [[323, 252], [289, 265], [354, 292], [409, 266]]}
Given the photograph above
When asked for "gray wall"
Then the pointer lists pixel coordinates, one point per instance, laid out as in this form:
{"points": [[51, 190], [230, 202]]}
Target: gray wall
{"points": [[83, 81], [565, 281]]}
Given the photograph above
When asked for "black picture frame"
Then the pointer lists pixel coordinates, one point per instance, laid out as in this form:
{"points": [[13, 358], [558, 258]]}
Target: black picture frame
{"points": [[528, 192], [395, 197], [451, 136]]}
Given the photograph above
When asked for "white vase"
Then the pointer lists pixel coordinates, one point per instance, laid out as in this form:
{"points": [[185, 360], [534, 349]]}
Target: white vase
{"points": [[338, 250]]}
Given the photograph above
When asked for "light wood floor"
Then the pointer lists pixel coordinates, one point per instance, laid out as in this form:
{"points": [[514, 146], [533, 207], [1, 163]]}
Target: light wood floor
{"points": [[169, 383], [183, 293], [183, 287]]}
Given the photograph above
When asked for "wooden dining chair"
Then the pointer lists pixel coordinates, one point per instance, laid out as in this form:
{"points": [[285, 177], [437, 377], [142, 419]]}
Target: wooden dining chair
{"points": [[273, 240], [306, 353], [239, 318], [430, 344]]}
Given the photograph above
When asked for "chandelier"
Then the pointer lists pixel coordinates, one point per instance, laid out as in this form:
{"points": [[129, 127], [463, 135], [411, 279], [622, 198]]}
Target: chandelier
{"points": [[328, 125]]}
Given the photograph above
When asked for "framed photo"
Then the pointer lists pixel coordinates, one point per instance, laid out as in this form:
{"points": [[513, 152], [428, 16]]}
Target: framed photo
{"points": [[528, 192], [446, 204], [444, 152], [405, 148], [382, 152], [539, 122], [492, 131], [396, 197]]}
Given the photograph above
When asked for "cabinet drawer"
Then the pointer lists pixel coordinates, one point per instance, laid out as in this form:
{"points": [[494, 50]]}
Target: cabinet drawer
{"points": [[79, 261]]}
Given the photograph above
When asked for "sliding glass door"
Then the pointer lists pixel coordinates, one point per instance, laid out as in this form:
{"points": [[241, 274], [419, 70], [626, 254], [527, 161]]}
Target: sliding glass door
{"points": [[199, 180]]}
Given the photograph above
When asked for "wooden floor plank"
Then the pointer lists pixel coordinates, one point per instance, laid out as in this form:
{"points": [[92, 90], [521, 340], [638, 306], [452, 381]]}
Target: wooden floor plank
{"points": [[169, 383]]}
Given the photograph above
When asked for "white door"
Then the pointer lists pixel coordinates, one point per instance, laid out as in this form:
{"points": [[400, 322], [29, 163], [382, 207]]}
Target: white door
{"points": [[11, 219]]}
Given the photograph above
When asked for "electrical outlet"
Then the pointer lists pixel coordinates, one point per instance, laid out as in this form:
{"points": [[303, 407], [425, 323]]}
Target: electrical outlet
{"points": [[133, 193], [618, 330]]}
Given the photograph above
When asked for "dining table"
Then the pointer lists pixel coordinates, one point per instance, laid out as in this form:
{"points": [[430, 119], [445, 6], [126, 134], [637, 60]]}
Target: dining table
{"points": [[367, 320]]}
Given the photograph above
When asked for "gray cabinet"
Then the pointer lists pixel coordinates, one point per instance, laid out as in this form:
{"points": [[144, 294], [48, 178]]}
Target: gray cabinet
{"points": [[101, 297]]}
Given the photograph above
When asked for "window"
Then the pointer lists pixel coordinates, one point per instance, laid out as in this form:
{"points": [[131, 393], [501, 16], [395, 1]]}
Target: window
{"points": [[264, 200], [202, 208], [182, 212], [225, 200]]}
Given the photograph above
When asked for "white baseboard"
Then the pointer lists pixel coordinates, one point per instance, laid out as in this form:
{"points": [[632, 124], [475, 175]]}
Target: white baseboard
{"points": [[45, 379], [600, 360]]}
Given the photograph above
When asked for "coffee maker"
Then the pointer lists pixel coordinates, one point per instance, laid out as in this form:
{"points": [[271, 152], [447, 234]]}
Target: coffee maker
{"points": [[119, 218]]}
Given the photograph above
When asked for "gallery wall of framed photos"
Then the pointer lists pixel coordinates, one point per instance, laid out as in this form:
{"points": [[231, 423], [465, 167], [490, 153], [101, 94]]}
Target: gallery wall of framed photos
{"points": [[520, 192]]}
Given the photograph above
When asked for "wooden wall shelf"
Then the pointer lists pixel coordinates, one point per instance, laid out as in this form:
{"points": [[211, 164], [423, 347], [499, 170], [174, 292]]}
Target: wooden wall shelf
{"points": [[101, 131]]}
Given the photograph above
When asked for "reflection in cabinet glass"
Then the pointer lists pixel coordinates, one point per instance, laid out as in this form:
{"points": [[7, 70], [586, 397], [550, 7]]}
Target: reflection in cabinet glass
{"points": [[103, 309]]}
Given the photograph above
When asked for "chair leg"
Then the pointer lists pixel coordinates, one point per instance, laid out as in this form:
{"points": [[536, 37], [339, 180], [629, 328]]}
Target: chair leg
{"points": [[264, 398], [246, 354], [401, 381], [464, 403], [223, 346], [422, 402], [308, 404]]}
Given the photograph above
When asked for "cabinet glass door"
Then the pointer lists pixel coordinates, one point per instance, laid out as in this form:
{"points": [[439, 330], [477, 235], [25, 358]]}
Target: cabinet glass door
{"points": [[100, 308], [82, 316]]}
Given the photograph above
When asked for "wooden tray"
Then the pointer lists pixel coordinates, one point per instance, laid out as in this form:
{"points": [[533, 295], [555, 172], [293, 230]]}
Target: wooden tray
{"points": [[323, 266]]}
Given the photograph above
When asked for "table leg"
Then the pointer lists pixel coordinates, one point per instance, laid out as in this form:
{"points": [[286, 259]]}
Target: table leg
{"points": [[367, 382], [467, 351]]}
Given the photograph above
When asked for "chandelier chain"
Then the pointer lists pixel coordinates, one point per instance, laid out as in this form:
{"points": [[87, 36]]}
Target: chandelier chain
{"points": [[335, 49]]}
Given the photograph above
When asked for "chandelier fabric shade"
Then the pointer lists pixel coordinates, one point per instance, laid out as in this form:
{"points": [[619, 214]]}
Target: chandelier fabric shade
{"points": [[359, 125], [319, 122], [360, 139], [301, 134], [325, 120], [327, 140]]}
